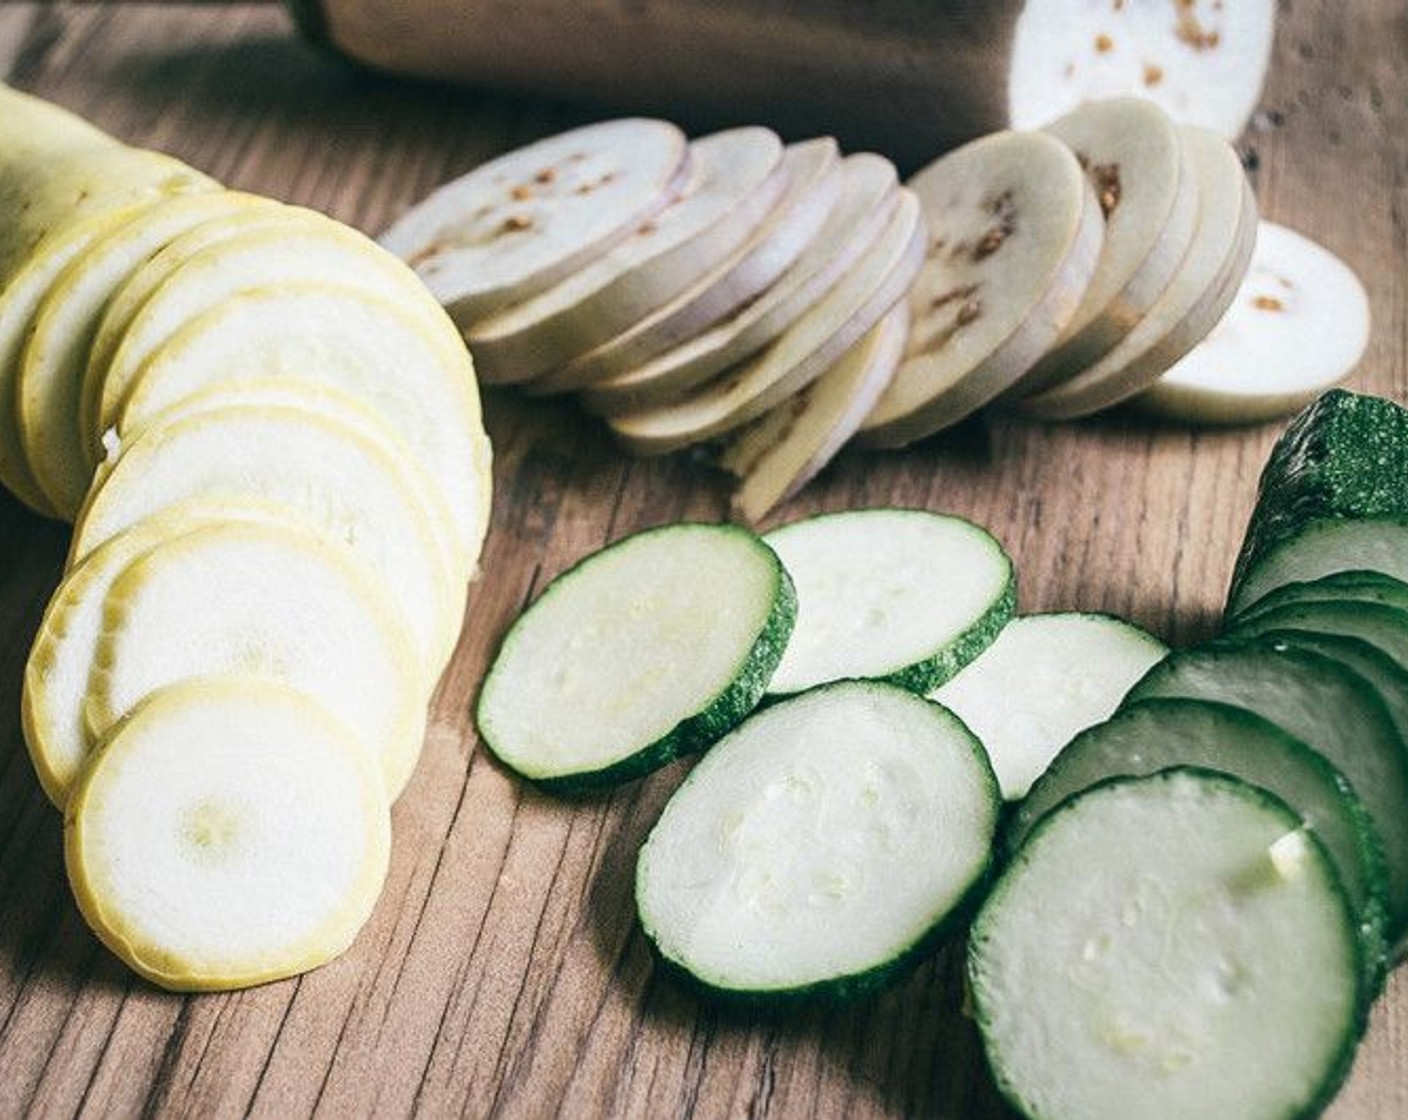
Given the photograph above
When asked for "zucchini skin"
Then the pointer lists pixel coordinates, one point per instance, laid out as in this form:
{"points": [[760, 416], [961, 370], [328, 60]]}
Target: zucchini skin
{"points": [[1348, 586], [1344, 456], [699, 731], [838, 990], [929, 672], [924, 676]]}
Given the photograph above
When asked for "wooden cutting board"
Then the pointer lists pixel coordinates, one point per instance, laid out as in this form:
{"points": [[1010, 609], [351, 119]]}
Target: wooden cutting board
{"points": [[502, 972]]}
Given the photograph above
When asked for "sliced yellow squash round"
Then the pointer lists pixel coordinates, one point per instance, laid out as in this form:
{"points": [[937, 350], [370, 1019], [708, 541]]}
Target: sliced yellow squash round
{"points": [[346, 338], [60, 664], [246, 598], [228, 833], [312, 451], [54, 360]]}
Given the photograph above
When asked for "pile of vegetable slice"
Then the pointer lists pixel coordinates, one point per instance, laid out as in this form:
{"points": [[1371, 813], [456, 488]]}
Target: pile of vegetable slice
{"points": [[1216, 874], [267, 434], [1201, 878], [774, 303]]}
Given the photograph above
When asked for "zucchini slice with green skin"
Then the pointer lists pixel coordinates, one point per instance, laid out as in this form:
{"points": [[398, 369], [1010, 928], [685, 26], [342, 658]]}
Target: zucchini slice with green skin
{"points": [[1324, 547], [1159, 734], [1383, 666], [1333, 495], [1380, 625], [901, 595], [1325, 704], [1349, 586], [1044, 678], [651, 648], [824, 845], [1168, 947]]}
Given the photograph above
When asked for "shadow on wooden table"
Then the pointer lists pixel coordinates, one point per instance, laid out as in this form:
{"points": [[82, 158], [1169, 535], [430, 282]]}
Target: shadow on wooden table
{"points": [[258, 108], [862, 1050], [43, 941]]}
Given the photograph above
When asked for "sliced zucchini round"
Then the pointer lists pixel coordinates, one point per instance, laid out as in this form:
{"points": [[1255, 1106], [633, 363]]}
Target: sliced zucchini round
{"points": [[822, 846], [96, 398], [648, 649], [21, 296], [1044, 678], [867, 604], [1325, 704], [1383, 626], [1321, 547], [1174, 947], [228, 833], [1351, 586], [1158, 734]]}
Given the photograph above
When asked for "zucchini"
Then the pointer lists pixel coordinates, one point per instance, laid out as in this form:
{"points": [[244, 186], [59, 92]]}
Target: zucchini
{"points": [[1043, 679], [1382, 626], [648, 649], [1333, 495], [820, 848], [1351, 585], [1322, 702], [1172, 946], [867, 602], [1158, 734]]}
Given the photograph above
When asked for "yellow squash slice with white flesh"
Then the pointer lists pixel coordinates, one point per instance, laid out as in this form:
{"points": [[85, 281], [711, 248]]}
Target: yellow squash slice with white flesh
{"points": [[346, 339], [779, 453], [33, 129], [20, 299], [736, 178], [1203, 61], [228, 833], [144, 279], [1298, 324], [278, 601], [803, 353], [55, 356], [313, 452], [522, 222], [60, 663], [813, 171], [1138, 163], [1015, 232], [1194, 301], [39, 195], [869, 194], [295, 244]]}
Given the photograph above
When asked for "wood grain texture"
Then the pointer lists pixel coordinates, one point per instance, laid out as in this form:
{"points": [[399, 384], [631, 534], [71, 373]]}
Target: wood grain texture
{"points": [[503, 973]]}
